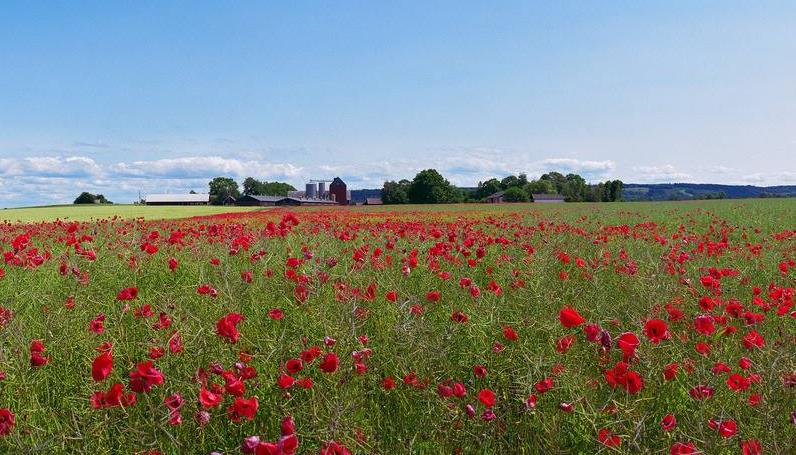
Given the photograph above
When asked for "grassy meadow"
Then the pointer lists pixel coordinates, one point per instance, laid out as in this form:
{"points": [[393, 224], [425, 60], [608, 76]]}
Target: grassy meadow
{"points": [[85, 212], [527, 328]]}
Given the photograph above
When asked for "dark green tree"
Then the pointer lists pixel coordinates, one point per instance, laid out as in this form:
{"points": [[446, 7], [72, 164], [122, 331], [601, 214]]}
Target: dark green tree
{"points": [[251, 186], [102, 200], [222, 188], [491, 186], [429, 187], [509, 182], [616, 190], [395, 192], [540, 187], [557, 179], [515, 194], [575, 189], [86, 198]]}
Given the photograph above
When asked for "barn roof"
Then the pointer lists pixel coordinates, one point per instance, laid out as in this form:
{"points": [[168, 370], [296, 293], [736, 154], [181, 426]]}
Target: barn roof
{"points": [[199, 197]]}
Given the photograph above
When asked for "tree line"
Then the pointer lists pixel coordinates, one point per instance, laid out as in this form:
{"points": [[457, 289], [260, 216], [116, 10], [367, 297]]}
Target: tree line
{"points": [[224, 188], [90, 198], [430, 187]]}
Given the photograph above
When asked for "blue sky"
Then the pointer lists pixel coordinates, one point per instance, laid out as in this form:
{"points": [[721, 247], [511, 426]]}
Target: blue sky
{"points": [[160, 96]]}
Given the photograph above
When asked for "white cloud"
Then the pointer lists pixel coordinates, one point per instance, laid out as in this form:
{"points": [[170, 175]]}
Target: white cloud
{"points": [[566, 165], [202, 167], [51, 166]]}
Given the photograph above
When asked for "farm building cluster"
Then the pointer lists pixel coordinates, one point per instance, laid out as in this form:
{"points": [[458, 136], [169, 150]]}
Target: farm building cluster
{"points": [[316, 192]]}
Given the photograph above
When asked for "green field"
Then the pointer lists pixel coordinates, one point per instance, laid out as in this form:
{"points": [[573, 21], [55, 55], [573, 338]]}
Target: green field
{"points": [[410, 303], [88, 212]]}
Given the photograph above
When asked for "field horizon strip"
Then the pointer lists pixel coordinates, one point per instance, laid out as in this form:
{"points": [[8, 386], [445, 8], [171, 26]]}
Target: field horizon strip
{"points": [[664, 327]]}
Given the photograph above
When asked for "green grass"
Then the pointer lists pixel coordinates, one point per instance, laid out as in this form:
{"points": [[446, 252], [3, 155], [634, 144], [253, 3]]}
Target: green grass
{"points": [[88, 212], [51, 403]]}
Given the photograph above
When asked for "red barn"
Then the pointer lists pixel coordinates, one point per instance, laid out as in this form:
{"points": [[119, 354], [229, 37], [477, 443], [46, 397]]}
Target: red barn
{"points": [[338, 189]]}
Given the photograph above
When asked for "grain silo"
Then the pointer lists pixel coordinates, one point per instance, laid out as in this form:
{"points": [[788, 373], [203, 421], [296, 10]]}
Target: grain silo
{"points": [[311, 191]]}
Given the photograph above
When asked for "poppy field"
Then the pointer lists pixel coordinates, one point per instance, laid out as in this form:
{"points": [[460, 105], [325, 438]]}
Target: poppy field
{"points": [[574, 328]]}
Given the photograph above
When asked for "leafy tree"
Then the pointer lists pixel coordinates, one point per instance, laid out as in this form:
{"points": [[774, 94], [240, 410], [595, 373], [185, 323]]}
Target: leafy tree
{"points": [[86, 198], [395, 192], [251, 186], [429, 187], [540, 187], [575, 189], [254, 187], [557, 179], [276, 188], [100, 198], [222, 188], [509, 182], [616, 190], [515, 194], [491, 186]]}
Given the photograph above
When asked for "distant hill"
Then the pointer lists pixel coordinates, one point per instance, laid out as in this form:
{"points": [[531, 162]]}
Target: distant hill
{"points": [[685, 191]]}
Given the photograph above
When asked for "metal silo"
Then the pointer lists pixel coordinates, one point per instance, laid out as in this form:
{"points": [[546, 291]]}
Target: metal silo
{"points": [[311, 191], [321, 189]]}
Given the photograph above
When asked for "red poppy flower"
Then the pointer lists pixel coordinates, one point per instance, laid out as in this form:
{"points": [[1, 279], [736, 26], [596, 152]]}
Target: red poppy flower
{"points": [[704, 324], [487, 397], [628, 342], [570, 317], [276, 314], [285, 381], [243, 408], [564, 343], [433, 296], [102, 366], [726, 428], [753, 340], [115, 396], [37, 359], [684, 448], [668, 422], [6, 421], [751, 447], [656, 330], [330, 363], [127, 294], [209, 399], [737, 382], [670, 371], [701, 392], [226, 327], [544, 385], [479, 371], [609, 439], [458, 316], [293, 366], [509, 333], [144, 377]]}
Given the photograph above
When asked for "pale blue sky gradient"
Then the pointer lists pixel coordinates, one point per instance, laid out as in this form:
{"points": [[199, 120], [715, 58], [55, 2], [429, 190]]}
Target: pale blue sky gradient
{"points": [[116, 98]]}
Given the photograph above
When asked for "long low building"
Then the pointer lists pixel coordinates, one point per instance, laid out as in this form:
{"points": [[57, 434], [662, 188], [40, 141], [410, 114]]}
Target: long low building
{"points": [[255, 200], [177, 199]]}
